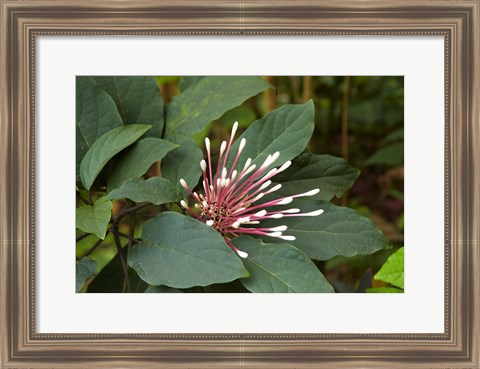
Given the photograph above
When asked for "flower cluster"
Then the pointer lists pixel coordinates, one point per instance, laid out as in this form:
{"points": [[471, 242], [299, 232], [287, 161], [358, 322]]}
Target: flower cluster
{"points": [[227, 204]]}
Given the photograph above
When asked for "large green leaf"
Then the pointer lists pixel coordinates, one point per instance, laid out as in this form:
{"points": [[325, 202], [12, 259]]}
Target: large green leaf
{"points": [[162, 289], [138, 100], [332, 175], [96, 114], [188, 81], [206, 100], [286, 129], [155, 190], [85, 269], [179, 251], [106, 147], [183, 162], [137, 159], [94, 219], [392, 270], [338, 231], [279, 267]]}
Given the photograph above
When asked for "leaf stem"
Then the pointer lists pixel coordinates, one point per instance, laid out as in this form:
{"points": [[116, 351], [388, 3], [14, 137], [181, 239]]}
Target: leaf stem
{"points": [[131, 239], [94, 247], [122, 258]]}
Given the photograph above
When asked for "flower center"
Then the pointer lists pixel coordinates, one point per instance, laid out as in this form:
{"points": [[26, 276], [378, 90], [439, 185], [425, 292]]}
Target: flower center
{"points": [[218, 214]]}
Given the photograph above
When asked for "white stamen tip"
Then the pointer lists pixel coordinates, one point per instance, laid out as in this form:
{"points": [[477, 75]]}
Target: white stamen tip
{"points": [[261, 213], [279, 228], [250, 169], [242, 254], [288, 238], [234, 175], [276, 216], [265, 185], [209, 222], [223, 146], [207, 143], [312, 213], [243, 141], [234, 129], [284, 166], [275, 156], [291, 211], [258, 197], [183, 183], [285, 201], [309, 193], [247, 163], [203, 165], [184, 204], [236, 224], [274, 188], [274, 234]]}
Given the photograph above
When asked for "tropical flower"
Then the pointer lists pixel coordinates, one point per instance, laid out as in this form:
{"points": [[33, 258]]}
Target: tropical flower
{"points": [[227, 204]]}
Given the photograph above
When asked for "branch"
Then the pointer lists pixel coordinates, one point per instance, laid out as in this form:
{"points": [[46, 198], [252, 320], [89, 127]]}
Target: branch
{"points": [[122, 258]]}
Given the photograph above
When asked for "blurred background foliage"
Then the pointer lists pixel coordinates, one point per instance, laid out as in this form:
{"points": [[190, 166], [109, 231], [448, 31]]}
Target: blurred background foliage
{"points": [[359, 118]]}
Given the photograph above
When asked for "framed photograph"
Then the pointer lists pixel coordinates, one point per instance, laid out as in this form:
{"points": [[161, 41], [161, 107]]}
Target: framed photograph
{"points": [[257, 185]]}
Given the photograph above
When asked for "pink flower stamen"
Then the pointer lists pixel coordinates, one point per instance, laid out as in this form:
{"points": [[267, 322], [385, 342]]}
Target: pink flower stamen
{"points": [[227, 205]]}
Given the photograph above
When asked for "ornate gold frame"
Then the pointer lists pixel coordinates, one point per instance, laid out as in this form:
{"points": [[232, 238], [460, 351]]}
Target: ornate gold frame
{"points": [[457, 21]]}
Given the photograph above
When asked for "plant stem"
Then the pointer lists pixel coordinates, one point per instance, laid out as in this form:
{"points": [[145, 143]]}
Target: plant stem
{"points": [[82, 236], [131, 231], [131, 239], [307, 88], [93, 248], [269, 95], [345, 153], [122, 258]]}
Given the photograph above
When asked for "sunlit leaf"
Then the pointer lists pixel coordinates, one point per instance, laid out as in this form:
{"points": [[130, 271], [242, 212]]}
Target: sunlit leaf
{"points": [[94, 219]]}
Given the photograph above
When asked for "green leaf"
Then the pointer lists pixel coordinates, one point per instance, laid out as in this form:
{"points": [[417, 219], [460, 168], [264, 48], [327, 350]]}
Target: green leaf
{"points": [[179, 251], [207, 100], [279, 267], [392, 270], [111, 278], [188, 81], [106, 147], [162, 289], [384, 290], [96, 114], [390, 155], [183, 162], [137, 160], [138, 100], [286, 129], [155, 190], [94, 219], [332, 175], [86, 268], [338, 231]]}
